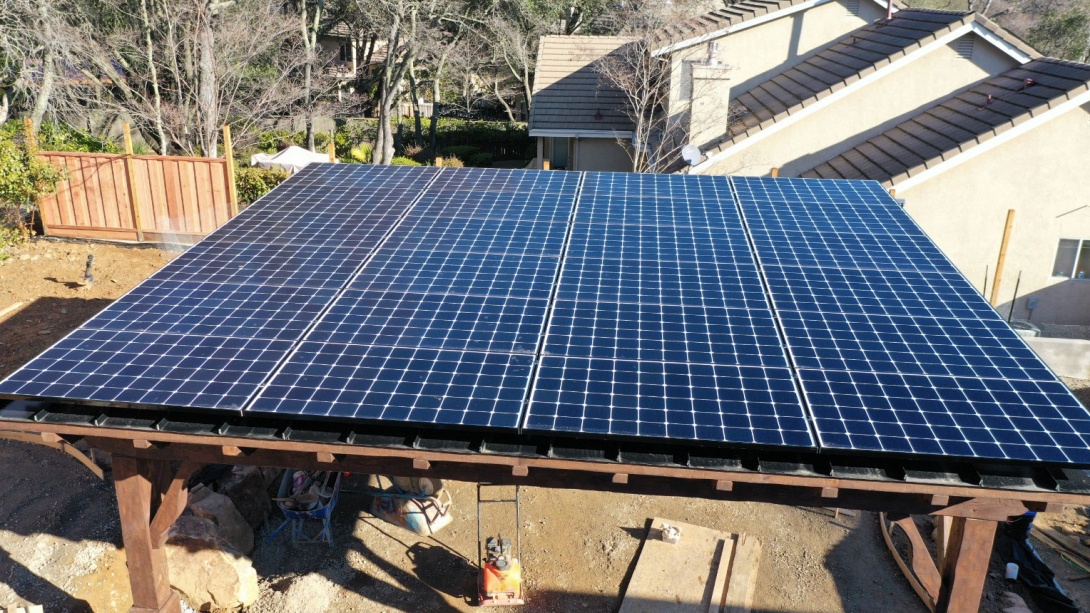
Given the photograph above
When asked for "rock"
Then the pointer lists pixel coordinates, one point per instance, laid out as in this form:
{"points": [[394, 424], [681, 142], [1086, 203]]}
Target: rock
{"points": [[25, 256], [205, 568], [229, 523], [247, 489]]}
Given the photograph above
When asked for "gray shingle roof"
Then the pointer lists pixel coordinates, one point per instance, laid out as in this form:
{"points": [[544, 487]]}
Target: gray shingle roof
{"points": [[842, 62], [970, 117], [569, 94]]}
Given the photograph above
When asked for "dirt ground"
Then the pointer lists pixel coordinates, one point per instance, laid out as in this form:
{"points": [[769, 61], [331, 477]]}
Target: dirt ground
{"points": [[60, 538]]}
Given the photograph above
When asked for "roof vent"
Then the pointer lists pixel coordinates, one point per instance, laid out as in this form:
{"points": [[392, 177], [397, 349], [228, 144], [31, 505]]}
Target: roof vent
{"points": [[713, 53], [853, 7], [964, 47]]}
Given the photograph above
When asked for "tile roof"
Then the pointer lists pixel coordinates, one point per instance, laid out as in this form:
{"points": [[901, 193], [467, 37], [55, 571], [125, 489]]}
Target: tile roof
{"points": [[846, 60], [968, 118], [569, 94]]}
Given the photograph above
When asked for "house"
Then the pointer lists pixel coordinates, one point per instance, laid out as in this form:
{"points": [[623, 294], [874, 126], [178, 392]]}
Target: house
{"points": [[1019, 141], [578, 119], [856, 87]]}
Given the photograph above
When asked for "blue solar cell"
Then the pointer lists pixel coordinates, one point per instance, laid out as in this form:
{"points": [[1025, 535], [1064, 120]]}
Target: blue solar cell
{"points": [[263, 264], [498, 236], [665, 400], [201, 308], [672, 244], [856, 251], [675, 201], [481, 274], [664, 333], [875, 292], [144, 368], [441, 321], [953, 416], [397, 384]]}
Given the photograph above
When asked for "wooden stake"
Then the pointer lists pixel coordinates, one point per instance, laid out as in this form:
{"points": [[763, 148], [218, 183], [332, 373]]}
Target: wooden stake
{"points": [[31, 140], [130, 174], [229, 154], [1002, 257], [545, 164], [775, 172], [332, 151]]}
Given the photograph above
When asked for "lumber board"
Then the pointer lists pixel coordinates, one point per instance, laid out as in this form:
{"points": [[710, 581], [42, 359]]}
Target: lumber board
{"points": [[743, 576], [695, 575]]}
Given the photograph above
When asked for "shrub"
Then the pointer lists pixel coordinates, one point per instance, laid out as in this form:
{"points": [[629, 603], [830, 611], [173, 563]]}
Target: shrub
{"points": [[416, 152], [404, 161], [361, 153], [252, 182], [481, 159], [23, 178], [461, 151], [449, 162], [61, 137]]}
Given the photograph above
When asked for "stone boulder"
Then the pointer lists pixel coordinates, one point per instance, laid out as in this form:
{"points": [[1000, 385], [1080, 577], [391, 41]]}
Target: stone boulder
{"points": [[246, 486], [204, 567], [230, 524]]}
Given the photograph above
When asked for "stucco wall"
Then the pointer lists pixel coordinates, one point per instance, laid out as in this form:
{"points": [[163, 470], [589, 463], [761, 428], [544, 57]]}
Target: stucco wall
{"points": [[761, 51], [864, 113], [1042, 175]]}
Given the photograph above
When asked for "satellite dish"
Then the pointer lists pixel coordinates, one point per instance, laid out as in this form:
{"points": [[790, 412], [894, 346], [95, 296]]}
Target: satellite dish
{"points": [[691, 155]]}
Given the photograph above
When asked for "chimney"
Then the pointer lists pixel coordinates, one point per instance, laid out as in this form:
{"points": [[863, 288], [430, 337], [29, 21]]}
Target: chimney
{"points": [[710, 98]]}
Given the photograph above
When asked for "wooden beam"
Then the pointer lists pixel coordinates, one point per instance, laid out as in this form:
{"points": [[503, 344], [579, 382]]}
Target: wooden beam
{"points": [[421, 464], [620, 478], [174, 500], [1045, 507], [985, 508], [940, 500], [775, 172], [140, 443], [52, 437], [231, 451], [60, 444], [966, 565], [327, 458], [922, 565], [147, 563], [332, 150], [519, 470], [830, 492], [724, 486], [1002, 258]]}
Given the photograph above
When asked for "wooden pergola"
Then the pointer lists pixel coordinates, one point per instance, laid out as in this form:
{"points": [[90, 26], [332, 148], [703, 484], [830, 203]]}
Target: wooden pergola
{"points": [[152, 464]]}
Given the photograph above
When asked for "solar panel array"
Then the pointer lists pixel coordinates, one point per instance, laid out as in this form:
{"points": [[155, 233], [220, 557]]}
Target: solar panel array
{"points": [[735, 311]]}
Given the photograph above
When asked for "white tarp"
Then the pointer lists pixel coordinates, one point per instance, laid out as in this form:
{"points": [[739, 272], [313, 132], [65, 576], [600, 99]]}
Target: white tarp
{"points": [[293, 159]]}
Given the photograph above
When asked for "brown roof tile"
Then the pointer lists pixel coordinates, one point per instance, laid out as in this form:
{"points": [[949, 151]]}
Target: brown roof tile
{"points": [[569, 94], [962, 121]]}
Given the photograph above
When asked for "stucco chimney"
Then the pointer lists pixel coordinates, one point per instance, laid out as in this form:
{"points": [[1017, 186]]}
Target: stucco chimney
{"points": [[710, 99]]}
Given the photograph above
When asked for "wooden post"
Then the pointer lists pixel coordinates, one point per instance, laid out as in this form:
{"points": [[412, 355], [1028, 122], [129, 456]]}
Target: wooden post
{"points": [[775, 172], [130, 174], [31, 139], [147, 561], [1002, 257], [332, 151], [965, 565], [545, 164], [229, 153]]}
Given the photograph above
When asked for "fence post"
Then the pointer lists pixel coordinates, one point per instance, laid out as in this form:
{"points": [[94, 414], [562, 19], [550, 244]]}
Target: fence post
{"points": [[332, 151], [130, 173], [229, 154]]}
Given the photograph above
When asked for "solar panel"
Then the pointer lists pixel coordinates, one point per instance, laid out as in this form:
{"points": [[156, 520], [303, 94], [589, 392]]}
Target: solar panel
{"points": [[442, 325], [782, 313], [660, 327], [895, 351]]}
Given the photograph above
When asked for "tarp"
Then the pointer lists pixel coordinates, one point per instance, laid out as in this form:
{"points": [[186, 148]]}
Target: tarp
{"points": [[293, 159]]}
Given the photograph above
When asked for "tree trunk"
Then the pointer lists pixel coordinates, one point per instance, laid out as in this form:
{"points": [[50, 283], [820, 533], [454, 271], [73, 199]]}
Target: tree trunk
{"points": [[310, 45], [160, 133], [41, 101], [418, 129], [5, 105], [506, 107], [434, 115], [206, 96]]}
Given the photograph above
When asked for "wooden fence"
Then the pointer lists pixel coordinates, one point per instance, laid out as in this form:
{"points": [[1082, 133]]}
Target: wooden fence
{"points": [[139, 197]]}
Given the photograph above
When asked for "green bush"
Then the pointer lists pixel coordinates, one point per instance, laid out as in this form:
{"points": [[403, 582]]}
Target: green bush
{"points": [[449, 162], [462, 151], [23, 178], [361, 153], [252, 182], [482, 160], [60, 137], [404, 161]]}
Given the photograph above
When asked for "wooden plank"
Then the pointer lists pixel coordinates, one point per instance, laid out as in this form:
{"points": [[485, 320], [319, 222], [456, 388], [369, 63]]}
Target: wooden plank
{"points": [[172, 202], [79, 193], [743, 576], [922, 565], [966, 565], [998, 279], [681, 577], [115, 234], [722, 575], [191, 213], [206, 200], [229, 169], [134, 192], [111, 212], [222, 208]]}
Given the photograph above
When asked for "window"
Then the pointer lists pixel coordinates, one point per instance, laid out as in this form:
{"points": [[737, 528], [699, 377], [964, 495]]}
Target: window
{"points": [[1072, 259]]}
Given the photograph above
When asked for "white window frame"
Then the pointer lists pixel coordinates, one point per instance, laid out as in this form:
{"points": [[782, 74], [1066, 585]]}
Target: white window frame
{"points": [[1082, 243]]}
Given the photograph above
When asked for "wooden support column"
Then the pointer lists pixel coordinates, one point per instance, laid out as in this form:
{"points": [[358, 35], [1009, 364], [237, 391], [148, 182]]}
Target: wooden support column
{"points": [[229, 170], [139, 484], [965, 565]]}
